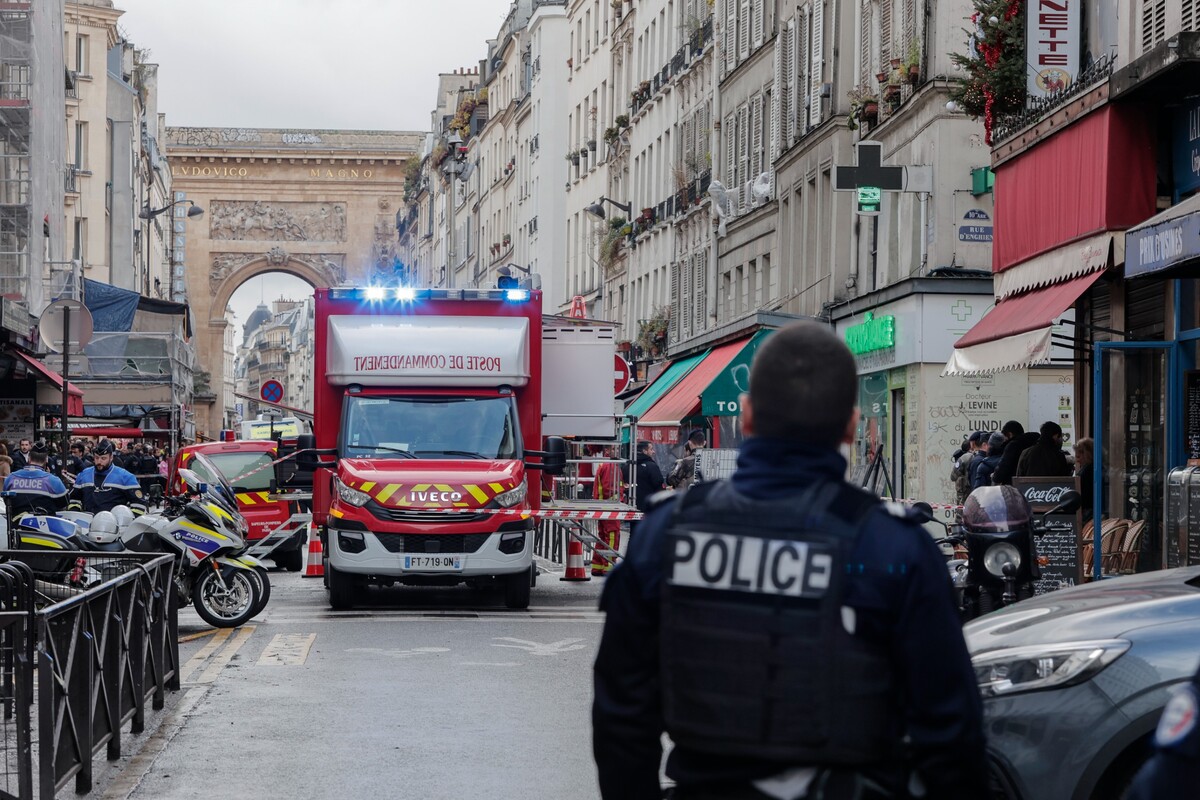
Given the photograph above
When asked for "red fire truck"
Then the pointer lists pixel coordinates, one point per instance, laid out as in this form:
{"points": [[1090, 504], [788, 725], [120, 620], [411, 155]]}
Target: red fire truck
{"points": [[429, 418]]}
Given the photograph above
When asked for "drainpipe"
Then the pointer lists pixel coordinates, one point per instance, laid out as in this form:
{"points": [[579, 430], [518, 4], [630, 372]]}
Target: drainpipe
{"points": [[713, 147], [923, 197]]}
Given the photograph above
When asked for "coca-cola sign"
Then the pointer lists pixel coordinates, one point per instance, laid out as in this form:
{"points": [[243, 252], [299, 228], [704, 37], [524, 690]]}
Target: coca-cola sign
{"points": [[1048, 495]]}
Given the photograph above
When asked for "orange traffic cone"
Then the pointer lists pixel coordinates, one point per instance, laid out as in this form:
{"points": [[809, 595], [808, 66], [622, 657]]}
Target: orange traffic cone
{"points": [[315, 566], [575, 569]]}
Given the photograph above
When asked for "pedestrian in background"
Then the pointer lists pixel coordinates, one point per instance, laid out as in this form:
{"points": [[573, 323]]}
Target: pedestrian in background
{"points": [[1045, 458], [960, 473], [983, 468], [835, 669], [648, 475], [1084, 456], [683, 474], [21, 454], [6, 462], [1016, 441]]}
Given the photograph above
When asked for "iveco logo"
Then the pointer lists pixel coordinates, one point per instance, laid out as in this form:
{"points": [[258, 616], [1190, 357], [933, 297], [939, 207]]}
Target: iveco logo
{"points": [[435, 497]]}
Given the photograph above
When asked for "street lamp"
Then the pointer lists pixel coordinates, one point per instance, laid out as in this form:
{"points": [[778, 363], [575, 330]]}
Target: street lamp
{"points": [[597, 209], [147, 213]]}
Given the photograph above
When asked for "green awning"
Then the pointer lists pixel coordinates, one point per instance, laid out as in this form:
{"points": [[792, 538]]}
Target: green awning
{"points": [[663, 384], [720, 398]]}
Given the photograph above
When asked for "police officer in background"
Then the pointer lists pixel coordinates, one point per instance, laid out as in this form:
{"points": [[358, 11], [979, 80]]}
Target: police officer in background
{"points": [[104, 486], [34, 490], [1174, 770], [794, 636]]}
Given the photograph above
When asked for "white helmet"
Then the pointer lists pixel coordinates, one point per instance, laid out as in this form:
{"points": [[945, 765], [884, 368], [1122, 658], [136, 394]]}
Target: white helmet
{"points": [[103, 529], [123, 514]]}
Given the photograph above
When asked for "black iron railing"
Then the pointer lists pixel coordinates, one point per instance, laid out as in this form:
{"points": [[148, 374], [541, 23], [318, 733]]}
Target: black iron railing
{"points": [[1095, 73]]}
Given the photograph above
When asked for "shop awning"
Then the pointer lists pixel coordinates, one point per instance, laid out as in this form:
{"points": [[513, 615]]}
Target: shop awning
{"points": [[120, 433], [1016, 333], [1167, 240], [74, 393], [661, 385], [683, 401], [720, 397], [1072, 260]]}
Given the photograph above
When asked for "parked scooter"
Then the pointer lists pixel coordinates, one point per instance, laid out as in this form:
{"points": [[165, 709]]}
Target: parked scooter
{"points": [[999, 531]]}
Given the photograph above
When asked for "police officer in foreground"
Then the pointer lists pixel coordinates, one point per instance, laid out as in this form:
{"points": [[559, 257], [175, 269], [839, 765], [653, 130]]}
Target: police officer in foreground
{"points": [[794, 636], [1174, 770], [104, 486], [33, 489]]}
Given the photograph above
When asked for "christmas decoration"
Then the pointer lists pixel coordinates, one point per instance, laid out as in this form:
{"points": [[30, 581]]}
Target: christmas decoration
{"points": [[995, 66]]}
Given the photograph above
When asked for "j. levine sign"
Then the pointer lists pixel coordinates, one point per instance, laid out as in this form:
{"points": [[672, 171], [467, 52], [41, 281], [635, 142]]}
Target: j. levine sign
{"points": [[1158, 247]]}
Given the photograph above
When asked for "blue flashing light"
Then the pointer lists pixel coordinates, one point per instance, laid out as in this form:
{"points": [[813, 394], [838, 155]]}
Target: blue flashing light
{"points": [[406, 293], [374, 293], [516, 295]]}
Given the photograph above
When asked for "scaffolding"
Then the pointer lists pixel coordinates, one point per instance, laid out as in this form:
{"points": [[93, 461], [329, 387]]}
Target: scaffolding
{"points": [[16, 84]]}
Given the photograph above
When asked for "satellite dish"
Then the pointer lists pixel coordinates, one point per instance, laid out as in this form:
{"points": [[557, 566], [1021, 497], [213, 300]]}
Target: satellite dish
{"points": [[54, 319]]}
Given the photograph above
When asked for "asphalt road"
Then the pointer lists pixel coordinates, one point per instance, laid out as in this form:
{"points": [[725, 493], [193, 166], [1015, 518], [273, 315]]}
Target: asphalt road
{"points": [[423, 694]]}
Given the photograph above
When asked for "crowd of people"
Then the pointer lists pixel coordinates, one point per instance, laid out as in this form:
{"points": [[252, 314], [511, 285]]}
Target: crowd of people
{"points": [[149, 464], [92, 477], [994, 459]]}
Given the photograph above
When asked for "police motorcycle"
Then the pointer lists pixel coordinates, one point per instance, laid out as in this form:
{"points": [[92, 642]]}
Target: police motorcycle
{"points": [[999, 531], [207, 536]]}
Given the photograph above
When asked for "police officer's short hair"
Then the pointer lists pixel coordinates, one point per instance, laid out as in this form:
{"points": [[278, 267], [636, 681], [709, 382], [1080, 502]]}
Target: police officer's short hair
{"points": [[803, 385], [39, 453]]}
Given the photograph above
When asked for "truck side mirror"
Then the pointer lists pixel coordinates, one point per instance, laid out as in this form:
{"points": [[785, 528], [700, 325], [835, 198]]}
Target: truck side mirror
{"points": [[554, 462], [306, 457]]}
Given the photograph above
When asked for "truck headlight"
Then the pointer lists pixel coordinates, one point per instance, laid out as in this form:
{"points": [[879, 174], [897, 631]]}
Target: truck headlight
{"points": [[1027, 669], [350, 495], [998, 555], [512, 496]]}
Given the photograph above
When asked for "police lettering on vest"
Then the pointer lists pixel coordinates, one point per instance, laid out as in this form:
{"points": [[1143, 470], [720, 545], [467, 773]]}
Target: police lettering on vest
{"points": [[730, 562]]}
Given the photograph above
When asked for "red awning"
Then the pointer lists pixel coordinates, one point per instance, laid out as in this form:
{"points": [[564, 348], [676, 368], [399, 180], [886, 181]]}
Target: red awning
{"points": [[1092, 176], [1016, 333], [74, 393], [109, 433], [683, 400]]}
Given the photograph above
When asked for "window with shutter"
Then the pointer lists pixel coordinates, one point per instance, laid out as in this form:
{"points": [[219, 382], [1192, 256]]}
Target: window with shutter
{"points": [[817, 24], [1188, 16], [756, 136], [731, 7], [866, 60], [676, 299], [757, 23], [744, 143], [699, 301], [686, 294], [910, 25], [776, 94], [744, 15], [729, 131], [797, 55], [885, 34], [687, 142]]}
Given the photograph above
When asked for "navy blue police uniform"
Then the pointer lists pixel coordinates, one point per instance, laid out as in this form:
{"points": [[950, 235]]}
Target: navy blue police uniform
{"points": [[1174, 770], [788, 632], [103, 490], [34, 491]]}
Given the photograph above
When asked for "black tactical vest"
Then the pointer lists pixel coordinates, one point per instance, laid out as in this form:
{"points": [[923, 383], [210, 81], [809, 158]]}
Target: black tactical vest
{"points": [[755, 657]]}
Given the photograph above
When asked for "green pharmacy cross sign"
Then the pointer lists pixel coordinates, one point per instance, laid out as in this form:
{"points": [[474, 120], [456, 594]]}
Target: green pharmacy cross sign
{"points": [[869, 199], [872, 335]]}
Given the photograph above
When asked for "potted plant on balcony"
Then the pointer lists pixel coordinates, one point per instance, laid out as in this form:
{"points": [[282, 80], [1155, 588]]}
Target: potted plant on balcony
{"points": [[591, 145], [507, 240], [573, 157], [912, 65], [864, 108], [611, 135]]}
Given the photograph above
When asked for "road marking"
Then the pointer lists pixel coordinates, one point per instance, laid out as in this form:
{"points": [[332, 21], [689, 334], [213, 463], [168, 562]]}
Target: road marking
{"points": [[191, 637], [489, 663], [538, 649], [287, 650], [225, 656], [415, 651], [203, 653], [130, 778]]}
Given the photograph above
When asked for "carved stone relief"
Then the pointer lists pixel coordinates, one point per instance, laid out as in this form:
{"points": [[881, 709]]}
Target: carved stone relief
{"points": [[256, 221], [330, 265]]}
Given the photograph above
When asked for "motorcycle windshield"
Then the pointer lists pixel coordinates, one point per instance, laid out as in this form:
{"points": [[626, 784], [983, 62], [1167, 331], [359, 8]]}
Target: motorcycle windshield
{"points": [[219, 521]]}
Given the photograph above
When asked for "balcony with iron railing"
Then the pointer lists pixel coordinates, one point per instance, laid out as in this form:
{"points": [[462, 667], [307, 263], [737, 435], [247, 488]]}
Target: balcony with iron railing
{"points": [[1037, 108], [682, 61]]}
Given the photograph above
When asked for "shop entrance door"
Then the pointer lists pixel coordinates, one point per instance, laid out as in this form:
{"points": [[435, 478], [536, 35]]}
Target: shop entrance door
{"points": [[1136, 426], [898, 439]]}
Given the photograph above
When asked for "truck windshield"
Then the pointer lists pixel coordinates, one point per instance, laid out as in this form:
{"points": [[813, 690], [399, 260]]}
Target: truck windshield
{"points": [[234, 465], [430, 427]]}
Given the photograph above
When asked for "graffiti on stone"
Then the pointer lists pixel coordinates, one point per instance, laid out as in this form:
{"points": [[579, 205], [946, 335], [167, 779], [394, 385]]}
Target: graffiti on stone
{"points": [[257, 221]]}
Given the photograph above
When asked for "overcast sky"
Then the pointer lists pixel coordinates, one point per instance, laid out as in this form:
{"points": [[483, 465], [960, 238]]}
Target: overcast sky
{"points": [[348, 64]]}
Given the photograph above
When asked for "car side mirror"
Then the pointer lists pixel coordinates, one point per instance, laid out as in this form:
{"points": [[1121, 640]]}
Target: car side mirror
{"points": [[306, 455], [1067, 504]]}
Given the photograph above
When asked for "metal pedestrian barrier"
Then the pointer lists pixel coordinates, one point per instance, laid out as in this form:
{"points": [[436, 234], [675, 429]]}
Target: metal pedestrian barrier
{"points": [[77, 670]]}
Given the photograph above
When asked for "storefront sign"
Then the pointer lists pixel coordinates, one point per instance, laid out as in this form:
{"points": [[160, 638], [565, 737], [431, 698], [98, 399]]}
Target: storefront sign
{"points": [[1060, 545], [16, 418], [1052, 40], [872, 335], [976, 226], [1186, 150], [1162, 246]]}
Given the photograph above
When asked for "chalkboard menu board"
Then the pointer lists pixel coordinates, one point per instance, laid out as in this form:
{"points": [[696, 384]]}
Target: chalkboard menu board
{"points": [[1059, 547], [1191, 412]]}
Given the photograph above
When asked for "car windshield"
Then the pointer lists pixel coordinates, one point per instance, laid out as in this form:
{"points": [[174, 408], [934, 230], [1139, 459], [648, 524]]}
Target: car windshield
{"points": [[430, 427], [234, 465]]}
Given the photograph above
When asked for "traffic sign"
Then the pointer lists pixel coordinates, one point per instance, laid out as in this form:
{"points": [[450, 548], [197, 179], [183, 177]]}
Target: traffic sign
{"points": [[621, 374], [56, 332], [577, 308], [271, 391]]}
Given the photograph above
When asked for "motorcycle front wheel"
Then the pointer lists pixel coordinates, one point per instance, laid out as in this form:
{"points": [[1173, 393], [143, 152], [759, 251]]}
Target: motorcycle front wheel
{"points": [[228, 605], [264, 590]]}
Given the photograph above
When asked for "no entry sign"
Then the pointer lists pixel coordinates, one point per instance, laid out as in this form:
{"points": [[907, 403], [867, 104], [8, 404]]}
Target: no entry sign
{"points": [[621, 375]]}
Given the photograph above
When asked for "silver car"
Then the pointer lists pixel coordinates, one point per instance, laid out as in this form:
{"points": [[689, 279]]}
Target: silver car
{"points": [[1074, 681]]}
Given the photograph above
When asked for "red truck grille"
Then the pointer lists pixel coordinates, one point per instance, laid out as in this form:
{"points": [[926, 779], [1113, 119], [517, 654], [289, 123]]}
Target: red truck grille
{"points": [[432, 543], [426, 516]]}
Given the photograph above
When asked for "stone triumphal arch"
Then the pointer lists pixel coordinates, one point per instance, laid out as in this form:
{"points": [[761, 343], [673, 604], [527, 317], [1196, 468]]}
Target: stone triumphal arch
{"points": [[318, 204]]}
